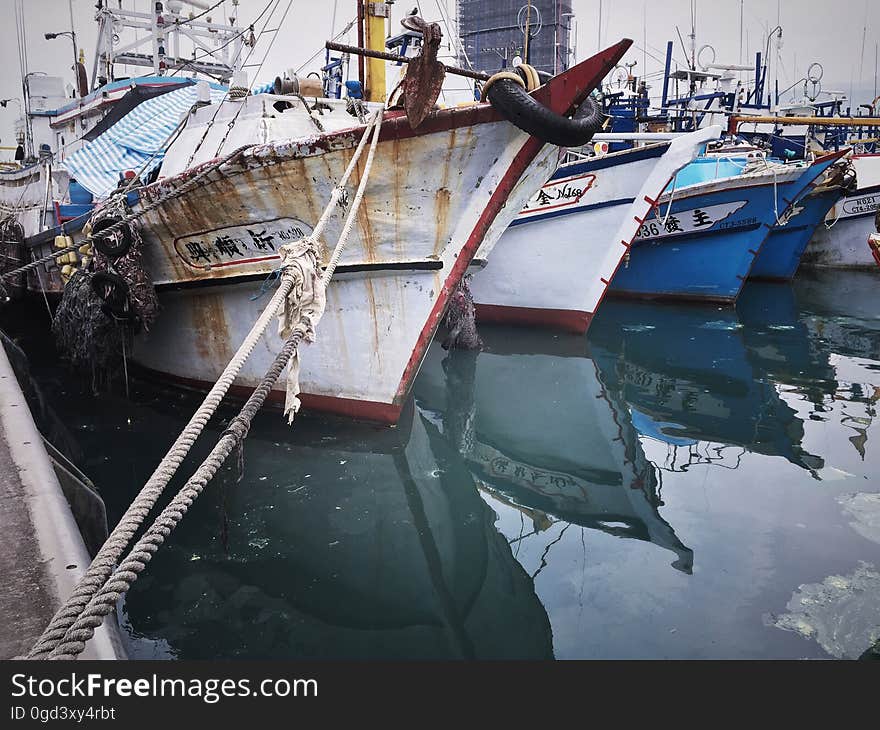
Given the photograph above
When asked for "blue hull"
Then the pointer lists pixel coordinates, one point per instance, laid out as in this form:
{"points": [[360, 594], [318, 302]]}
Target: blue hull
{"points": [[781, 253], [705, 249]]}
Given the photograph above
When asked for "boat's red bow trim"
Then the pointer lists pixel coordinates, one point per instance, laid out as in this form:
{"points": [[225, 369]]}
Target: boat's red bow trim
{"points": [[562, 94]]}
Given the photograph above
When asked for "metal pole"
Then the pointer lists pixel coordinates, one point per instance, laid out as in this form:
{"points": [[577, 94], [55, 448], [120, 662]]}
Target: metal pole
{"points": [[75, 56], [528, 29], [343, 48]]}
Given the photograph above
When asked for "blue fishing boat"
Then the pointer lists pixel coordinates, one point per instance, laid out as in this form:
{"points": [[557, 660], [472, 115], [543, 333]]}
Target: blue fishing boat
{"points": [[781, 253], [707, 229]]}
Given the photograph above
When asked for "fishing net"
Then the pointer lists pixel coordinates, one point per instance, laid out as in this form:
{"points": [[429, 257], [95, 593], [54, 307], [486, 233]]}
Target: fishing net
{"points": [[106, 303], [143, 303], [90, 338], [461, 320], [12, 256]]}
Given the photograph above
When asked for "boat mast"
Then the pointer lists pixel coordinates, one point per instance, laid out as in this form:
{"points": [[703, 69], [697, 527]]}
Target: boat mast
{"points": [[20, 29], [374, 16], [216, 46]]}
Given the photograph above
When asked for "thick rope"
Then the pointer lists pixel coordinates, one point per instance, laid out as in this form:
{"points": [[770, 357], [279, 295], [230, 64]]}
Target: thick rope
{"points": [[97, 592], [358, 197], [74, 640], [34, 264], [108, 556]]}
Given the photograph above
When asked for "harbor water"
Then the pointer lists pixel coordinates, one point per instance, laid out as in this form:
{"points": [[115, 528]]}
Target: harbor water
{"points": [[684, 482]]}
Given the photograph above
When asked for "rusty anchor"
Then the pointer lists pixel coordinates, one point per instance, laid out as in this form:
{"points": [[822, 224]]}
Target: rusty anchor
{"points": [[424, 75]]}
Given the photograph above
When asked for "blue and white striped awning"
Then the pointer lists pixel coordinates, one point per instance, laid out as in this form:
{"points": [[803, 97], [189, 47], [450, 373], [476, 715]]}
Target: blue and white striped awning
{"points": [[132, 141]]}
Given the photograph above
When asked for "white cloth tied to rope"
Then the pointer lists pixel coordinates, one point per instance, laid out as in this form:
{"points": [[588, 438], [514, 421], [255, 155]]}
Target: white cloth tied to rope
{"points": [[304, 304]]}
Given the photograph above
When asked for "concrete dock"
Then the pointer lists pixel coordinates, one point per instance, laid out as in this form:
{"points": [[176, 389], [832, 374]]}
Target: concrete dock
{"points": [[42, 553]]}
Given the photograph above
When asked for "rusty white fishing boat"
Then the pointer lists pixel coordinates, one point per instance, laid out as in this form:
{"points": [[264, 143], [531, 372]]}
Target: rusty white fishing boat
{"points": [[438, 190], [551, 268], [246, 173]]}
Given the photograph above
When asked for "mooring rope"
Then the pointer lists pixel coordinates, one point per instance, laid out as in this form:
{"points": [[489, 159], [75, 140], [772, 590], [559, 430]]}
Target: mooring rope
{"points": [[103, 564], [98, 591], [73, 641]]}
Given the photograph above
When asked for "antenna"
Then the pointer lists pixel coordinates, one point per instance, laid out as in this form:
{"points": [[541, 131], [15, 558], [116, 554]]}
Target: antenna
{"points": [[741, 2]]}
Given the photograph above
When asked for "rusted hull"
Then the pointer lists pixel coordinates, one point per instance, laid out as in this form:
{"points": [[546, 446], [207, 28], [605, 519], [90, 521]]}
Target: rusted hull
{"points": [[433, 197], [391, 289]]}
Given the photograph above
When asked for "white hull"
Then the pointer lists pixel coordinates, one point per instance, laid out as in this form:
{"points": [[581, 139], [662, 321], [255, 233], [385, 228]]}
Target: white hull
{"points": [[433, 197], [552, 266], [24, 195], [377, 315], [841, 241]]}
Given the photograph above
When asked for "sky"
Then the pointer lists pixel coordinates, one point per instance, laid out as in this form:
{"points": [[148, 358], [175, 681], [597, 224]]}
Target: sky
{"points": [[831, 33]]}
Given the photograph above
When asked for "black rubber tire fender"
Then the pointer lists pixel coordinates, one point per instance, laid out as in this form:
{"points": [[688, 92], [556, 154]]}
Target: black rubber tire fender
{"points": [[522, 110], [109, 245], [114, 291]]}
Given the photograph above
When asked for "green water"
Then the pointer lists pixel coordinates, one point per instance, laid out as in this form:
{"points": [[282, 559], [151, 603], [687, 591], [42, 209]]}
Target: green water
{"points": [[683, 482]]}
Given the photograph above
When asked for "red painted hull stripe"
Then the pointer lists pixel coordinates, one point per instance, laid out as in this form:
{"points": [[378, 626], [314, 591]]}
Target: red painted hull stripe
{"points": [[600, 65], [567, 320], [362, 410]]}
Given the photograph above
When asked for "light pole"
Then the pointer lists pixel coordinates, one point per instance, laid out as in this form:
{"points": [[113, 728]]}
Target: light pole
{"points": [[51, 36]]}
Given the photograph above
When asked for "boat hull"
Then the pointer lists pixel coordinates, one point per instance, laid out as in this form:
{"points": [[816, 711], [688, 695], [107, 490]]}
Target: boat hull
{"points": [[839, 243], [781, 253], [552, 266], [433, 197], [702, 244], [382, 308]]}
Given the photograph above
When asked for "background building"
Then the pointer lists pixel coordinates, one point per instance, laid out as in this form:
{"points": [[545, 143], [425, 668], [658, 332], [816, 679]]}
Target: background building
{"points": [[492, 33]]}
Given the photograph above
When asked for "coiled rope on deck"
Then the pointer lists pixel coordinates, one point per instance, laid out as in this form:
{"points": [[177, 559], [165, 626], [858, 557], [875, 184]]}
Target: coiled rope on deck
{"points": [[97, 592]]}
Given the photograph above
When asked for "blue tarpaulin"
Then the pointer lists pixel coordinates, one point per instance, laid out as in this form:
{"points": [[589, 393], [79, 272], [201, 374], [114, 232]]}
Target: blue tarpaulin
{"points": [[140, 135]]}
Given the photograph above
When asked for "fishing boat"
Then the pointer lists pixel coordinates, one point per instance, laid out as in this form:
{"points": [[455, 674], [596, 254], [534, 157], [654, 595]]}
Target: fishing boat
{"points": [[839, 241], [583, 465], [707, 229], [435, 194], [552, 266], [782, 251], [439, 188]]}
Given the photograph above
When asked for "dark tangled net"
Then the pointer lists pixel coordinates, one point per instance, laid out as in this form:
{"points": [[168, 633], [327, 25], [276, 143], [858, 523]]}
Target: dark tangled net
{"points": [[92, 336]]}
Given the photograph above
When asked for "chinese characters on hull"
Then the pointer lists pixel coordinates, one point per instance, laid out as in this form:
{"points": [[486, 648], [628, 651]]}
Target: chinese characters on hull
{"points": [[559, 194], [693, 220], [240, 244]]}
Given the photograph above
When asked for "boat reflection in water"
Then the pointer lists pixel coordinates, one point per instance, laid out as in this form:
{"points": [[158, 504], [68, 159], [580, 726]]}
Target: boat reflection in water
{"points": [[539, 433], [370, 542], [694, 380]]}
